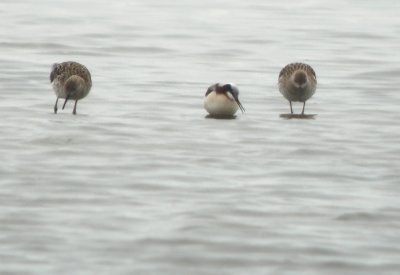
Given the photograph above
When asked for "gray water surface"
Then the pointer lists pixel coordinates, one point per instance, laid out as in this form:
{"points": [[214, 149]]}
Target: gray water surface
{"points": [[140, 182]]}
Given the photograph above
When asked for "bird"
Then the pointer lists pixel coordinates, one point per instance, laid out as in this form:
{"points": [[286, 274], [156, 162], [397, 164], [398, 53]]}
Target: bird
{"points": [[222, 100], [70, 80], [297, 82]]}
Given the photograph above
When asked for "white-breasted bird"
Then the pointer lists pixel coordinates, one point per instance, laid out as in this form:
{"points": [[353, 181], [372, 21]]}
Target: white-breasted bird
{"points": [[222, 100]]}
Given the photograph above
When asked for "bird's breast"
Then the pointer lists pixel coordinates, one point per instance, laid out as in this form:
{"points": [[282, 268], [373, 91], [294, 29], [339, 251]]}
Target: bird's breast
{"points": [[219, 104]]}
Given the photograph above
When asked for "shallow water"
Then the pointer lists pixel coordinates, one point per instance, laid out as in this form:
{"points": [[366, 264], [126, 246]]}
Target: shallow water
{"points": [[141, 182]]}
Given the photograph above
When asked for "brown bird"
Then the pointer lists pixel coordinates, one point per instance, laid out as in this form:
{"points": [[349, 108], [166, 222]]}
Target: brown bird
{"points": [[70, 80], [297, 82]]}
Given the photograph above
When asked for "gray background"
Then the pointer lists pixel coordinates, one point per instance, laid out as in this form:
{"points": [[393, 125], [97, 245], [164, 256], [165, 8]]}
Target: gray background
{"points": [[139, 182]]}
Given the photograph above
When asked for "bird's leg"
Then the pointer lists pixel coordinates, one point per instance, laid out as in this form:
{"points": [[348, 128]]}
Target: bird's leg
{"points": [[304, 105], [74, 111], [291, 110], [55, 106], [65, 102]]}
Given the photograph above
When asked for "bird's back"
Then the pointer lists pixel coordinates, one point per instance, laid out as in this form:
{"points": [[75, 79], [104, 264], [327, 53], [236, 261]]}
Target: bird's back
{"points": [[288, 70], [62, 74], [62, 71]]}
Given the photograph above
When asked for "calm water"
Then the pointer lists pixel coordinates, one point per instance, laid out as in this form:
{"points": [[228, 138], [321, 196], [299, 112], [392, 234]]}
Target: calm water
{"points": [[140, 182]]}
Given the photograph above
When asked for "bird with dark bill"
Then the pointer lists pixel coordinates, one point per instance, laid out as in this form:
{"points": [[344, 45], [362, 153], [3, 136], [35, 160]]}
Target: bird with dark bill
{"points": [[297, 82], [222, 100], [71, 81]]}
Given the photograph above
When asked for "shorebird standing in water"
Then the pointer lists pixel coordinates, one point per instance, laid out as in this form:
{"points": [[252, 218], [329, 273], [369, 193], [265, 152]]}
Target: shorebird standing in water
{"points": [[70, 80], [222, 100], [297, 82]]}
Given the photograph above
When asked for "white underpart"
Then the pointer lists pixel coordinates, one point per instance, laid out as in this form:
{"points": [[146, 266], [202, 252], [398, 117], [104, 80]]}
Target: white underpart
{"points": [[220, 104]]}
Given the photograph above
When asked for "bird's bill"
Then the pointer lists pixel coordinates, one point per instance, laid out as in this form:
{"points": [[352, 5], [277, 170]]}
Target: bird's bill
{"points": [[234, 97], [240, 105]]}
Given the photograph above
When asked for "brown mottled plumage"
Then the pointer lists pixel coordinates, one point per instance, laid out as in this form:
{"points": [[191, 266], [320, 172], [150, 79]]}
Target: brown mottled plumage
{"points": [[297, 82], [70, 80]]}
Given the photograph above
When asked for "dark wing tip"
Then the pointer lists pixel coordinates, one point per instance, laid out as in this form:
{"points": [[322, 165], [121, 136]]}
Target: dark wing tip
{"points": [[210, 89]]}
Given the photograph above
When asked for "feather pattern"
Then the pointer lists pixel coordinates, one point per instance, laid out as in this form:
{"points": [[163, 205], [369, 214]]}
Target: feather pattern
{"points": [[70, 80], [297, 82]]}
